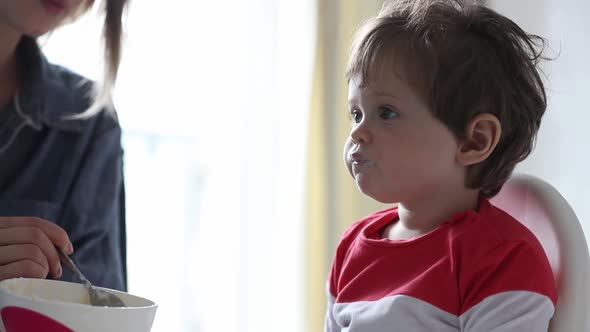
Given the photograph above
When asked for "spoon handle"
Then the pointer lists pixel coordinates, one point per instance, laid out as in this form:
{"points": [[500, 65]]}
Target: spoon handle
{"points": [[70, 265]]}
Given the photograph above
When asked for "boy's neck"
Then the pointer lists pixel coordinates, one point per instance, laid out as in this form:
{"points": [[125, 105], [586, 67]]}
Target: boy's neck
{"points": [[425, 216]]}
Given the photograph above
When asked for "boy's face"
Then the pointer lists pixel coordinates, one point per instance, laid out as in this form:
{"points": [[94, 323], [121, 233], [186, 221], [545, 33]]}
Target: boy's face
{"points": [[397, 151]]}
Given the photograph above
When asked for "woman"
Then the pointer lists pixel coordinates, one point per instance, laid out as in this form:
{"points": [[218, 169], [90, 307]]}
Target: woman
{"points": [[61, 180]]}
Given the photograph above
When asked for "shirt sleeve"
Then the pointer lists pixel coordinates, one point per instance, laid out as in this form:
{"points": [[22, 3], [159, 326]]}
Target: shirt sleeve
{"points": [[94, 213], [509, 289]]}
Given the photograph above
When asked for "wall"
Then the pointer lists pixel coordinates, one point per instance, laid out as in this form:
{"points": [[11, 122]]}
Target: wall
{"points": [[561, 156]]}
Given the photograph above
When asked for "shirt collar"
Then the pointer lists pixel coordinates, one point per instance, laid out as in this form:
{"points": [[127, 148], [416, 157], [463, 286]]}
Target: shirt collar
{"points": [[43, 97]]}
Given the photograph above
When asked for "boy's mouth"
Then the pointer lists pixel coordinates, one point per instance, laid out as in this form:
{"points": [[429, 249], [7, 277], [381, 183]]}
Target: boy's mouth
{"points": [[356, 159], [363, 163]]}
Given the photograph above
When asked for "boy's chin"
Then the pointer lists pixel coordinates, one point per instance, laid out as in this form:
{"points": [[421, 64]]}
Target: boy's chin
{"points": [[379, 197]]}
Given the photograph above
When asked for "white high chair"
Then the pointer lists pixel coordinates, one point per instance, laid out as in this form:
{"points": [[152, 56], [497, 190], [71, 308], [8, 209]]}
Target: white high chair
{"points": [[541, 208]]}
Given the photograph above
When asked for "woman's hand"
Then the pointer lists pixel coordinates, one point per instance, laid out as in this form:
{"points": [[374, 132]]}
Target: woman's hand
{"points": [[28, 247]]}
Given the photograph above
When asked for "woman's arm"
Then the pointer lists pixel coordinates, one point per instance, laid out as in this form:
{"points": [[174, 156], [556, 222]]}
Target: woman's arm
{"points": [[93, 214]]}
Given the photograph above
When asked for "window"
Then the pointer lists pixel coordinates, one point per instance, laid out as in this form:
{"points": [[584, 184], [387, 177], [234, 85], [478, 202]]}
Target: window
{"points": [[213, 100]]}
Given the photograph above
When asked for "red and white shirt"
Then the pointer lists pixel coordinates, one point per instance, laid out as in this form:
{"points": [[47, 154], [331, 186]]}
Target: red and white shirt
{"points": [[480, 271]]}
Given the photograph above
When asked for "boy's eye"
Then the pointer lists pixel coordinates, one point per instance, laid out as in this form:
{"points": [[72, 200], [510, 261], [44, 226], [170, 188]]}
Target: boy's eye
{"points": [[356, 116], [387, 113]]}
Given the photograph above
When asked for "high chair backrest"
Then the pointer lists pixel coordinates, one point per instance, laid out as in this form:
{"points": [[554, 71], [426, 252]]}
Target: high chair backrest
{"points": [[541, 208]]}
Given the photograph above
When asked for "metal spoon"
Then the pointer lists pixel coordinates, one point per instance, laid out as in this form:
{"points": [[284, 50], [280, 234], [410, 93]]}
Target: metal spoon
{"points": [[98, 297]]}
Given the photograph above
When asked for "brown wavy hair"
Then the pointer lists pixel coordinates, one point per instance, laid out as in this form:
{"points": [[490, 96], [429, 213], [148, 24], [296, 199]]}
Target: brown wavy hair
{"points": [[465, 59]]}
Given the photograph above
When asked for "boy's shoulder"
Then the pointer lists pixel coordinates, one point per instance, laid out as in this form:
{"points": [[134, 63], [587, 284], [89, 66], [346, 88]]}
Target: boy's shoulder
{"points": [[494, 253], [490, 228]]}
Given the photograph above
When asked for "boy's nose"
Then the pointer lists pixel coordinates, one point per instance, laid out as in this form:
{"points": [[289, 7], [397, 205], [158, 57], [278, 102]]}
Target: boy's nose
{"points": [[360, 134]]}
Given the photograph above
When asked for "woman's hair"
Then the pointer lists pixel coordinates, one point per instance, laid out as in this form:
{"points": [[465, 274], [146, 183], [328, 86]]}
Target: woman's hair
{"points": [[465, 59], [112, 38]]}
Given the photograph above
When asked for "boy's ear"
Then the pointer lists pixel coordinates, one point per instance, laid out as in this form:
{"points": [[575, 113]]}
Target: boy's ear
{"points": [[482, 134]]}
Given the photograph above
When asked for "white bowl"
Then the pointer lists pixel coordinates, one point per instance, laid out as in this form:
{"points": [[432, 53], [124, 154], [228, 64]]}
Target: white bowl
{"points": [[35, 304]]}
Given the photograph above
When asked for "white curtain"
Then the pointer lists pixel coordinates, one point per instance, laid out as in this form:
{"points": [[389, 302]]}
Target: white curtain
{"points": [[213, 97]]}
